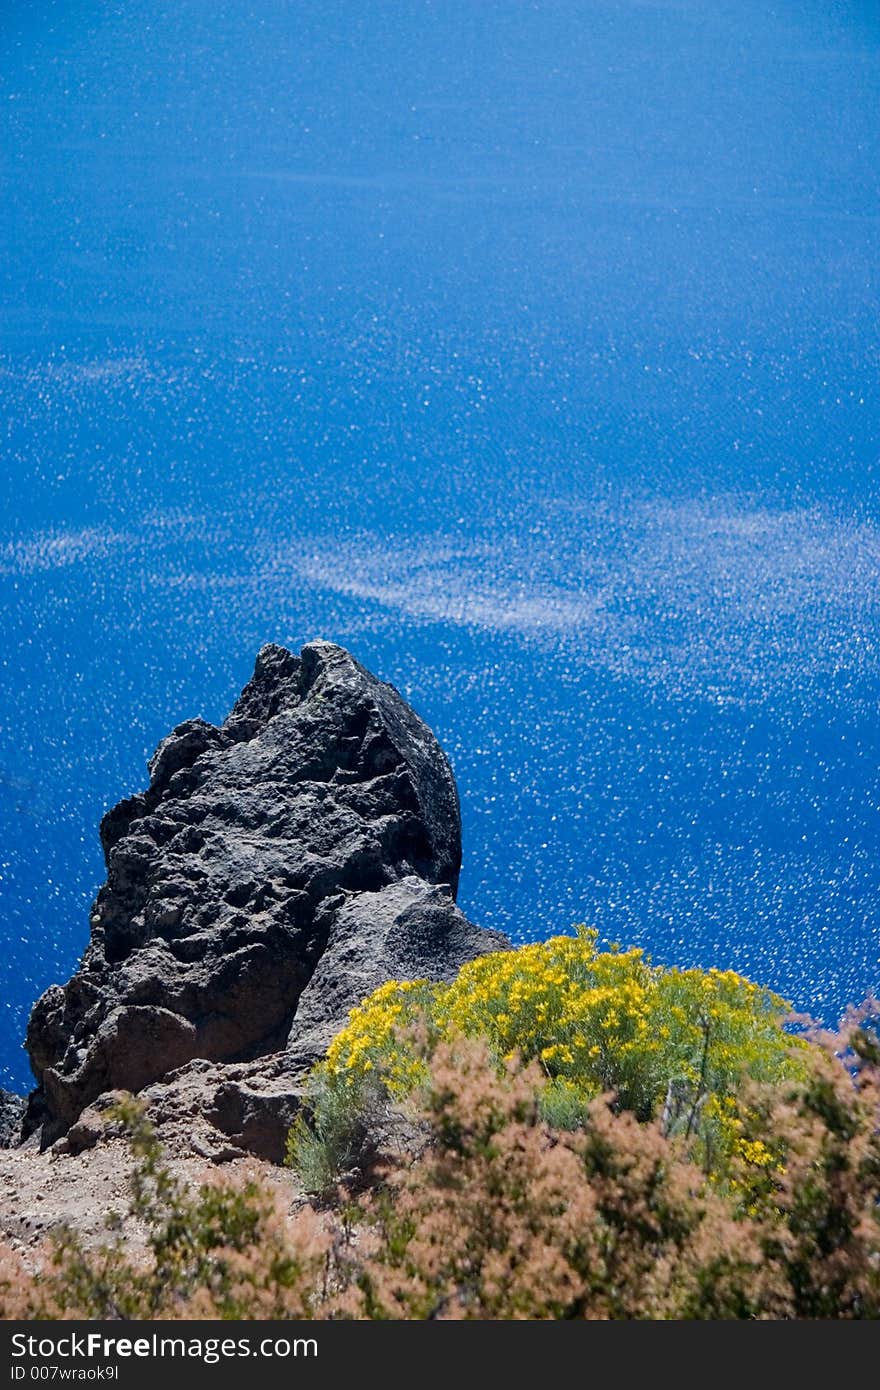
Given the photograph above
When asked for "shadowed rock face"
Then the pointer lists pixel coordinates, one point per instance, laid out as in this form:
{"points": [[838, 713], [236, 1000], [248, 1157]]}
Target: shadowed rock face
{"points": [[276, 869], [11, 1116]]}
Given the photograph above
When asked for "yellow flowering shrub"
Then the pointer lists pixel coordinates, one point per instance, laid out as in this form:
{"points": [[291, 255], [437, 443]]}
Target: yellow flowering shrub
{"points": [[376, 1038], [497, 1215], [675, 1044]]}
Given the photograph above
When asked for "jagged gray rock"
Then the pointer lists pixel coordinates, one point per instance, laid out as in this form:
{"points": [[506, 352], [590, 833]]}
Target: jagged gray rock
{"points": [[12, 1108], [406, 930], [276, 869]]}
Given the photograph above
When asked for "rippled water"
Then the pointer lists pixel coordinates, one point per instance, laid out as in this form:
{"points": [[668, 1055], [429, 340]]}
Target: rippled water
{"points": [[528, 350]]}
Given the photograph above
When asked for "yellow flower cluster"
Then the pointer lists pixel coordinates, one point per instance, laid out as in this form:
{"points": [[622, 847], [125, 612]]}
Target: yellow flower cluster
{"points": [[376, 1038], [595, 1022], [755, 1151]]}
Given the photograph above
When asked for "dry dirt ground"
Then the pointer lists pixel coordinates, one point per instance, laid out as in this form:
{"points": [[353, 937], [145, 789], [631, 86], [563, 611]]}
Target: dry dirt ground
{"points": [[41, 1191]]}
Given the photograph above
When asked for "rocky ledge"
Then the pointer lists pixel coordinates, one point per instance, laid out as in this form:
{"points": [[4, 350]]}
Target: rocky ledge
{"points": [[277, 869]]}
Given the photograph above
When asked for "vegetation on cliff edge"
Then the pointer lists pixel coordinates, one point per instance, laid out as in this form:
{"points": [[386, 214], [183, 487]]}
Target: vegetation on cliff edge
{"points": [[560, 1133]]}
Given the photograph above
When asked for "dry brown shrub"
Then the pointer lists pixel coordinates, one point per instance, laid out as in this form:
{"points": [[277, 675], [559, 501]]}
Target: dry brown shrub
{"points": [[503, 1217]]}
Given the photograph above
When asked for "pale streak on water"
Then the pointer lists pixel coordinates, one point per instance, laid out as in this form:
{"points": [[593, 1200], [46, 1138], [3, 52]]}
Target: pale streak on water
{"points": [[528, 350]]}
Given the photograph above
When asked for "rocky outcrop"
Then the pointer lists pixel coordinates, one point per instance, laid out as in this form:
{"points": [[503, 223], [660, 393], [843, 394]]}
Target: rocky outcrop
{"points": [[276, 869], [12, 1109]]}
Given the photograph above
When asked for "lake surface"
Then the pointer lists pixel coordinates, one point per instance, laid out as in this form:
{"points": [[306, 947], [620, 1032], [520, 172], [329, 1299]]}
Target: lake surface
{"points": [[529, 350]]}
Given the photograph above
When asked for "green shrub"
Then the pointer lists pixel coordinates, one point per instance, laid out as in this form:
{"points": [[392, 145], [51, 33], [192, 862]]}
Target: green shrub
{"points": [[503, 1216], [337, 1130], [676, 1044]]}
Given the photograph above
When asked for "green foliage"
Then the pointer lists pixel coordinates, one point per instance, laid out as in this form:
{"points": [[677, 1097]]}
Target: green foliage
{"points": [[502, 1215], [561, 1105], [664, 1042], [335, 1129]]}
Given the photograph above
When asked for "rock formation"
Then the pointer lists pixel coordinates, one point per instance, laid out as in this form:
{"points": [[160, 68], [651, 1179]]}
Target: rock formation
{"points": [[276, 869], [11, 1115]]}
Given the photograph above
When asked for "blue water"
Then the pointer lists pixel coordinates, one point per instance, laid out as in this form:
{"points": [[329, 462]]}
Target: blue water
{"points": [[528, 349]]}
